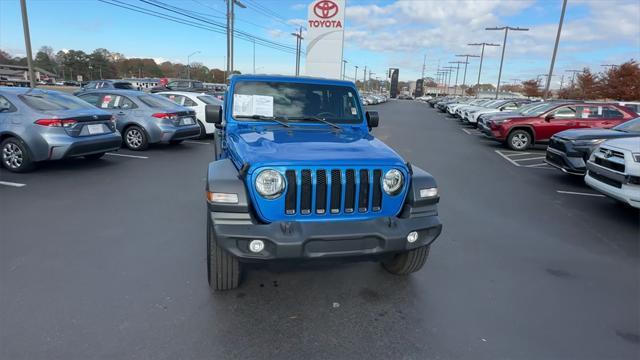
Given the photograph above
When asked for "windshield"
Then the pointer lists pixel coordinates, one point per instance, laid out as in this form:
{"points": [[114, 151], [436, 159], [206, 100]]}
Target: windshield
{"points": [[157, 101], [296, 101], [197, 85], [542, 109], [208, 99], [53, 101], [629, 126], [123, 85]]}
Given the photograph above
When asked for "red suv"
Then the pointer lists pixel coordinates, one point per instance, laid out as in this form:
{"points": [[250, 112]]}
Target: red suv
{"points": [[519, 133]]}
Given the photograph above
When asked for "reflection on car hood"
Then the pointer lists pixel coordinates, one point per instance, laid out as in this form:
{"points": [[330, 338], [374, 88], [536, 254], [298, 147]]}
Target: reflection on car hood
{"points": [[274, 145], [631, 144], [587, 134]]}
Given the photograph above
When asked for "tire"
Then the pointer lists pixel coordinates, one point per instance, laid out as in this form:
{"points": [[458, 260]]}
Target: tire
{"points": [[135, 138], [407, 262], [519, 140], [223, 269], [94, 156], [203, 130], [175, 142], [15, 156]]}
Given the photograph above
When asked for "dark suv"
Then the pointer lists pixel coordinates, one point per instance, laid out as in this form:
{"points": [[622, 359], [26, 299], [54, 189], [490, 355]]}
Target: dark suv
{"points": [[519, 133], [106, 85]]}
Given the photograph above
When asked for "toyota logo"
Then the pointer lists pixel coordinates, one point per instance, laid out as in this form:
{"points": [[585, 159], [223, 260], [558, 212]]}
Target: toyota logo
{"points": [[325, 9], [608, 153]]}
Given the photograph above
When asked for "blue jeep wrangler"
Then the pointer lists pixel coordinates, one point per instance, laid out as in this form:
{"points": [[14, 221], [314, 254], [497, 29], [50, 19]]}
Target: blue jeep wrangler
{"points": [[298, 175]]}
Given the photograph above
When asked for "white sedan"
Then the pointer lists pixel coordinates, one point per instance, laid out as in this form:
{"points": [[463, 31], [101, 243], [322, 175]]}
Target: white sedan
{"points": [[197, 102]]}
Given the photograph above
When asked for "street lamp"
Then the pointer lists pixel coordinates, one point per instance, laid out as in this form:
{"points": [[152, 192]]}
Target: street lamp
{"points": [[455, 88], [466, 61], [483, 44], [189, 63], [504, 45], [555, 51], [344, 67]]}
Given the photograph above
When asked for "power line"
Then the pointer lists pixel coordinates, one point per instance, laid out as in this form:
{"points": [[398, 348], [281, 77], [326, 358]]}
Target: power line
{"points": [[261, 9], [242, 34]]}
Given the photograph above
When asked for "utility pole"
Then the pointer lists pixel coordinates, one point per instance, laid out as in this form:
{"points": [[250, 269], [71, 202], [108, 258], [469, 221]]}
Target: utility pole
{"points": [[344, 68], [299, 38], [504, 45], [424, 63], [355, 77], [230, 19], [555, 51], [27, 42], [561, 81], [483, 44], [364, 79], [455, 88], [573, 76], [609, 65], [449, 70], [464, 77]]}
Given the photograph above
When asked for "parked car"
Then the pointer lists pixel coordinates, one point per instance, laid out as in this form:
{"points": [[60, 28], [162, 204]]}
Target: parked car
{"points": [[569, 150], [38, 125], [145, 119], [183, 85], [506, 106], [519, 133], [614, 170], [302, 177], [106, 85], [198, 102]]}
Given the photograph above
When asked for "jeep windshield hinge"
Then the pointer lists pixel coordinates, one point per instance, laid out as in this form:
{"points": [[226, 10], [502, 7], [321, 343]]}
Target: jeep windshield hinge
{"points": [[243, 171]]}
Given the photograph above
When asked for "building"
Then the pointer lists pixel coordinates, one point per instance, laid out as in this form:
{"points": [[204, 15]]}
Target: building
{"points": [[18, 75]]}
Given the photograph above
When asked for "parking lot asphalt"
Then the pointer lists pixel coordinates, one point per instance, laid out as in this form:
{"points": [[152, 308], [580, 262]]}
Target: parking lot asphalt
{"points": [[106, 260]]}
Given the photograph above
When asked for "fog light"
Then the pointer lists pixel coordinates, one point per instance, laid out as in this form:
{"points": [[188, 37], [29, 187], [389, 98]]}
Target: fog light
{"points": [[429, 192], [412, 237], [256, 246]]}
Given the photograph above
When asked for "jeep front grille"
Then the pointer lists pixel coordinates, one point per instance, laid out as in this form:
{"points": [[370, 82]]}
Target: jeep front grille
{"points": [[340, 190]]}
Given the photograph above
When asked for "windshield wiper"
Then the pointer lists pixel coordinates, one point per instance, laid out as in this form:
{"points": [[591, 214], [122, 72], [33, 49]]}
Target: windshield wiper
{"points": [[279, 120], [317, 118]]}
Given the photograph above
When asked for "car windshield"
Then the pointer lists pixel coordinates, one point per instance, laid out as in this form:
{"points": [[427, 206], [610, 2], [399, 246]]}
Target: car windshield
{"points": [[197, 85], [296, 101], [629, 126], [542, 109], [53, 101], [156, 101], [208, 99]]}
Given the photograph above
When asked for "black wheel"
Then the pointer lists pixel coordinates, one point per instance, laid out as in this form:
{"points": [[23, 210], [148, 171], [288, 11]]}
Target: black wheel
{"points": [[203, 131], [223, 269], [135, 138], [15, 156], [175, 142], [94, 156], [407, 262], [519, 140]]}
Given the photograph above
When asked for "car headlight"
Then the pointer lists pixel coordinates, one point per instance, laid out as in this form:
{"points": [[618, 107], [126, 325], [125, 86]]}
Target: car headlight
{"points": [[587, 142], [392, 182], [269, 184], [636, 157]]}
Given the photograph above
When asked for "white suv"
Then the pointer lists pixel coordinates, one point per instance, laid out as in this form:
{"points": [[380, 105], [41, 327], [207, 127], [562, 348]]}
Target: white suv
{"points": [[614, 170]]}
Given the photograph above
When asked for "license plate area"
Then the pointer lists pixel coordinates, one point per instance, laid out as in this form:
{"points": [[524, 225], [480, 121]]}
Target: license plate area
{"points": [[187, 120], [94, 129]]}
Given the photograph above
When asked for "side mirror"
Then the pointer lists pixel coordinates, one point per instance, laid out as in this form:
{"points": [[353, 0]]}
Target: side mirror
{"points": [[213, 115], [549, 117], [372, 119]]}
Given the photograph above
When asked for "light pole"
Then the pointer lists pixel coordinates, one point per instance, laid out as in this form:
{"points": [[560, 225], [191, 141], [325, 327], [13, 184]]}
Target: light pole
{"points": [[573, 76], [355, 77], [344, 68], [555, 51], [455, 88], [230, 4], [504, 45], [189, 63], [483, 44], [448, 70], [464, 77], [27, 42]]}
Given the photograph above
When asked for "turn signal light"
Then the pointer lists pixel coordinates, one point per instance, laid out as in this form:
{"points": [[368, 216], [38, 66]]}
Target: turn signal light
{"points": [[56, 122], [222, 197]]}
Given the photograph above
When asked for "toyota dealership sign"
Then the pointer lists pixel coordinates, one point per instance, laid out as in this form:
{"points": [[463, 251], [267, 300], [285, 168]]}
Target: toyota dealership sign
{"points": [[325, 38]]}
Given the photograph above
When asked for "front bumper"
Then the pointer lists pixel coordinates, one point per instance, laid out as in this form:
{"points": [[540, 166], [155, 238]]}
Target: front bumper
{"points": [[322, 239], [612, 184], [568, 164]]}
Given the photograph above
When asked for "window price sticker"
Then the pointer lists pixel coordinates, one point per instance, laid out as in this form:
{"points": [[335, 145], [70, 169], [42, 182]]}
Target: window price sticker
{"points": [[248, 105]]}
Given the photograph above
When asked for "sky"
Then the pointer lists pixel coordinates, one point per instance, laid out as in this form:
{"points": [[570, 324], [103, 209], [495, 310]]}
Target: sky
{"points": [[379, 34]]}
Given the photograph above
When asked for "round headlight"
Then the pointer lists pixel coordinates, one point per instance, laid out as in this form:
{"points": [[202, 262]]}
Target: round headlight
{"points": [[269, 184], [392, 182]]}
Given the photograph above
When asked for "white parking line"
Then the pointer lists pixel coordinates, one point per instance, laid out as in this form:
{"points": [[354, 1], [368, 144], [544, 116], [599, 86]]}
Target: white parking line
{"points": [[197, 142], [507, 158], [129, 156], [533, 158], [524, 159], [9, 183], [579, 193], [466, 131]]}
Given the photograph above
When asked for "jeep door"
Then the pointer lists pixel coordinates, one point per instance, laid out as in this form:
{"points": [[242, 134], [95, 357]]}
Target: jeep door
{"points": [[559, 119]]}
